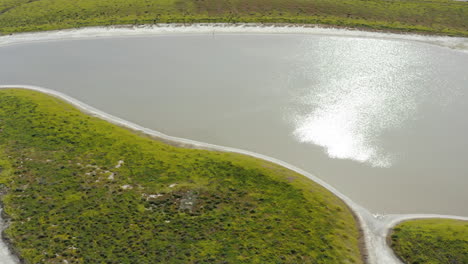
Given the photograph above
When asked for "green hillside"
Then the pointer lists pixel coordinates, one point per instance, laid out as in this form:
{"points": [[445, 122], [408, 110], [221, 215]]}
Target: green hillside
{"points": [[426, 16], [80, 189], [431, 241]]}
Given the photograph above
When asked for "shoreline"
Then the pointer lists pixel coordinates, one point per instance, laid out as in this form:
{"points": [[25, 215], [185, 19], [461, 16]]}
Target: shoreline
{"points": [[251, 24], [374, 228], [454, 43], [357, 27], [7, 251], [390, 221]]}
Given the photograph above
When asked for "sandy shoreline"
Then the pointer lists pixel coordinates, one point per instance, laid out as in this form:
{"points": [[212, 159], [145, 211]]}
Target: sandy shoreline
{"points": [[457, 43], [375, 228]]}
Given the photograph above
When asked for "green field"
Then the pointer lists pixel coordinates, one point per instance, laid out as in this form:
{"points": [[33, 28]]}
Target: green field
{"points": [[431, 241], [80, 189], [426, 16]]}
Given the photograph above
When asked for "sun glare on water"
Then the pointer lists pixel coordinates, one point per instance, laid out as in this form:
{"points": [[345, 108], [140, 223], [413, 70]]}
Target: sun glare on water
{"points": [[354, 93]]}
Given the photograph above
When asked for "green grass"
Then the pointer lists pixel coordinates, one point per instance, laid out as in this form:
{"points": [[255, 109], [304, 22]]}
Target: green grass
{"points": [[427, 16], [431, 241], [56, 165]]}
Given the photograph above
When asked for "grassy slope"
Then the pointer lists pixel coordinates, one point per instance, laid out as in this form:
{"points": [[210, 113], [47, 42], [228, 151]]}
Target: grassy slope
{"points": [[434, 16], [431, 241], [55, 167]]}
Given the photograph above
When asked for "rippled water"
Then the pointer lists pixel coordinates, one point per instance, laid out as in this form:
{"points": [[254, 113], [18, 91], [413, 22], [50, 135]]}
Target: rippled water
{"points": [[383, 121]]}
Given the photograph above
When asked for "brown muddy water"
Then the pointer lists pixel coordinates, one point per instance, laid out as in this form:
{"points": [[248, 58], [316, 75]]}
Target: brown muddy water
{"points": [[383, 121]]}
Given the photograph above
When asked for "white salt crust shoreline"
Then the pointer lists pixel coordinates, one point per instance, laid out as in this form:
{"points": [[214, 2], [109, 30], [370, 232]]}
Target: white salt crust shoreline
{"points": [[375, 227], [457, 43]]}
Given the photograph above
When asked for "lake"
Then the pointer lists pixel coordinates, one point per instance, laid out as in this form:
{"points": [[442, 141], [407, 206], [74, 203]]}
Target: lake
{"points": [[384, 121]]}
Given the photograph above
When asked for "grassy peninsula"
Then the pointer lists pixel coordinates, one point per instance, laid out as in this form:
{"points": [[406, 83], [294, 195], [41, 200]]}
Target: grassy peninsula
{"points": [[431, 241], [446, 17], [80, 189]]}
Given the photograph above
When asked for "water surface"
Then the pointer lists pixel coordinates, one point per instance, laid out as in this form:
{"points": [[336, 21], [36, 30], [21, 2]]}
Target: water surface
{"points": [[383, 121]]}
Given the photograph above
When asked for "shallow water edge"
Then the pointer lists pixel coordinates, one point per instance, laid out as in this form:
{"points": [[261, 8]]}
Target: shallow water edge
{"points": [[458, 43]]}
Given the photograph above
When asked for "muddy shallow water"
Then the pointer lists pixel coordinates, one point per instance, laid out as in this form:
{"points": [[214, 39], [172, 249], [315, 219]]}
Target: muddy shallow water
{"points": [[381, 120]]}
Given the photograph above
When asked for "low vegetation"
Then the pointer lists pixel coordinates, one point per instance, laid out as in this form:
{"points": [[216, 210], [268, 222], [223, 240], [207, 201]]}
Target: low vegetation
{"points": [[78, 189], [431, 241], [435, 16]]}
